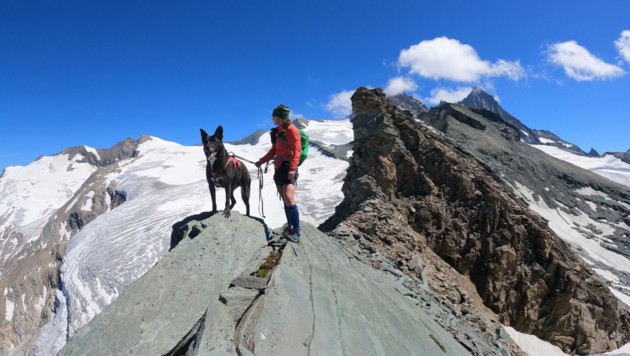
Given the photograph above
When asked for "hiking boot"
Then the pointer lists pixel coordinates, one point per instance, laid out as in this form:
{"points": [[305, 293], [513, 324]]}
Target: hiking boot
{"points": [[292, 235]]}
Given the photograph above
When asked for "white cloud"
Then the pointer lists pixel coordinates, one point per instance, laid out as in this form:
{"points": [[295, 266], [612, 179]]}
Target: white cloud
{"points": [[448, 95], [340, 104], [445, 58], [399, 85], [580, 64], [623, 45]]}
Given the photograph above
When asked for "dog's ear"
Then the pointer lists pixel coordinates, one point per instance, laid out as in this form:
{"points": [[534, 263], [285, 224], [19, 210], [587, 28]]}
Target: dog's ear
{"points": [[219, 133], [204, 135]]}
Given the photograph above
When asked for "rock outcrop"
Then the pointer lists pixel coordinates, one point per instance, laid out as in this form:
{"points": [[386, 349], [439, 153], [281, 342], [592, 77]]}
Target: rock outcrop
{"points": [[409, 190], [104, 157], [225, 292], [624, 156]]}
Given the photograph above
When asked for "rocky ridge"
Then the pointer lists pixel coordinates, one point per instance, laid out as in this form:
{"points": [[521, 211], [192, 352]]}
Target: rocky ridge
{"points": [[99, 157], [556, 182], [409, 191], [222, 290]]}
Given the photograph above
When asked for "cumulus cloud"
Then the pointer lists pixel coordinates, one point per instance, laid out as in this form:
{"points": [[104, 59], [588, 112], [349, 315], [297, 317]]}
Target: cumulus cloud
{"points": [[399, 85], [340, 104], [623, 45], [580, 64], [448, 95], [445, 58]]}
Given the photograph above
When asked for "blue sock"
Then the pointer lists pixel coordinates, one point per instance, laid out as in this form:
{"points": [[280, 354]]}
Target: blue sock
{"points": [[294, 217], [287, 213]]}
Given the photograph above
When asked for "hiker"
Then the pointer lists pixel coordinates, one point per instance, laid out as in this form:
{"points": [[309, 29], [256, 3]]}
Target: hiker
{"points": [[285, 154]]}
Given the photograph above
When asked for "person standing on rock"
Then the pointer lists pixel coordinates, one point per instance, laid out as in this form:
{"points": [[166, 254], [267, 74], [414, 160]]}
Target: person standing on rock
{"points": [[285, 154]]}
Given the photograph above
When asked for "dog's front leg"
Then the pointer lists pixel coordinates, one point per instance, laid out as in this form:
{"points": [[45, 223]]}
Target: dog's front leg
{"points": [[213, 195], [228, 194]]}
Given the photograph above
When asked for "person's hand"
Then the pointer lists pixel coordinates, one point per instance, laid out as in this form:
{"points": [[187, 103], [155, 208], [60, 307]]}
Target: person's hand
{"points": [[291, 175], [258, 164]]}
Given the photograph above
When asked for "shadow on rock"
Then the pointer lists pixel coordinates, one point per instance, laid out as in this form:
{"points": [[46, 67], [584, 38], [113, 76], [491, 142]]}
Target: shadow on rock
{"points": [[183, 228], [192, 225]]}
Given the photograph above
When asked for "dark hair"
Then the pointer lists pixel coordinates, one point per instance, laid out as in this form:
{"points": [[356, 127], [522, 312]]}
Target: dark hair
{"points": [[281, 111]]}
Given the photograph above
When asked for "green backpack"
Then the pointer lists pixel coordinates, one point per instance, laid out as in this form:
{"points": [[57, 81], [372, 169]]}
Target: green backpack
{"points": [[303, 142]]}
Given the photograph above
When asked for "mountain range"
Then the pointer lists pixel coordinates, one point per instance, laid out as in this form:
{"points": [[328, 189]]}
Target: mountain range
{"points": [[459, 210]]}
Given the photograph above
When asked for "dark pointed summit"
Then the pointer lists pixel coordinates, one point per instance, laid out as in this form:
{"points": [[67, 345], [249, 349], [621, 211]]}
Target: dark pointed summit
{"points": [[593, 153], [480, 99]]}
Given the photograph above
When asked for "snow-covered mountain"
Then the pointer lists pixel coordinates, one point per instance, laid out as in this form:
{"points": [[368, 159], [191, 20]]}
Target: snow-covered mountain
{"points": [[79, 227]]}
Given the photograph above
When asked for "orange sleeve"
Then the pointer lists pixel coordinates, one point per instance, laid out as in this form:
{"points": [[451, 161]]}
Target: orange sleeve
{"points": [[269, 155], [295, 145]]}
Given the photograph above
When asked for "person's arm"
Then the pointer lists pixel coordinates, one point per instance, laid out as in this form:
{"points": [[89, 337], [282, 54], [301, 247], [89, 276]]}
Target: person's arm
{"points": [[293, 139], [270, 154]]}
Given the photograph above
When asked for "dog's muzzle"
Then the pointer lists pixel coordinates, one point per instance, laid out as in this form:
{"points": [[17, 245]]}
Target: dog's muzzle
{"points": [[212, 156]]}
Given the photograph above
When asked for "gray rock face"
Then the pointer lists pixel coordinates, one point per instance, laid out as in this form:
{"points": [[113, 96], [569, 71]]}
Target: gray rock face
{"points": [[176, 300], [320, 298], [409, 189], [320, 302]]}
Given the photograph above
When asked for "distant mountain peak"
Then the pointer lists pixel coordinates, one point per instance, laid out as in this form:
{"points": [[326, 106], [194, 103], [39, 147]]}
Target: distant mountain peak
{"points": [[481, 99], [406, 102], [593, 153], [478, 91]]}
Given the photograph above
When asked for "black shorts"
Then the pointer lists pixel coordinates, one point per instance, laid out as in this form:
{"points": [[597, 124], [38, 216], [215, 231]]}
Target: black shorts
{"points": [[281, 176]]}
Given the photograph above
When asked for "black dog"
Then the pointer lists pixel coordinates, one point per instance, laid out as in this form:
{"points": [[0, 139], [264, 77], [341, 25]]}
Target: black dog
{"points": [[223, 170]]}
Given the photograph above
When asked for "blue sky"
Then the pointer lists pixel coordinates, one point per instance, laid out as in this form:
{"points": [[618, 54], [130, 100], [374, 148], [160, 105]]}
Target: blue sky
{"points": [[94, 73]]}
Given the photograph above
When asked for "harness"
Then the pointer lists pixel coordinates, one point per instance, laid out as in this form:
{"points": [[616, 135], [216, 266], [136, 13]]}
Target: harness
{"points": [[216, 174]]}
